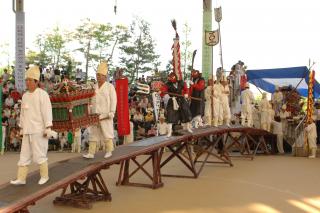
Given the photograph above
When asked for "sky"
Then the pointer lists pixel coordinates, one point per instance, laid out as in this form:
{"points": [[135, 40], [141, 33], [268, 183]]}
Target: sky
{"points": [[262, 33]]}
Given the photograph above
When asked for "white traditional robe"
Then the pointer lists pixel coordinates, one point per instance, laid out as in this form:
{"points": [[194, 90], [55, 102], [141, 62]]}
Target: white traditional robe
{"points": [[103, 103], [224, 112], [311, 130], [35, 117], [247, 99]]}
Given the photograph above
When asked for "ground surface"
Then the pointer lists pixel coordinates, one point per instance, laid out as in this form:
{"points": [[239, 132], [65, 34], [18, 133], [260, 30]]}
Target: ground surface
{"points": [[268, 184]]}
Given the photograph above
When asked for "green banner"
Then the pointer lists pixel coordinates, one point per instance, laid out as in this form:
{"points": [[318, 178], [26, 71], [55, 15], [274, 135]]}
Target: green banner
{"points": [[70, 137], [206, 50]]}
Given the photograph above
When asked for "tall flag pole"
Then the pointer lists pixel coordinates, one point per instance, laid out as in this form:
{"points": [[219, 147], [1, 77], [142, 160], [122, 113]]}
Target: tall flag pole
{"points": [[176, 61], [310, 102], [218, 18]]}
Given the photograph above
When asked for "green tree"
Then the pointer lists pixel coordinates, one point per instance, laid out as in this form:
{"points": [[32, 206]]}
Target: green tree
{"points": [[5, 53], [102, 37], [41, 57], [69, 65], [186, 54], [84, 34], [56, 45], [120, 36], [32, 57], [138, 54], [169, 67]]}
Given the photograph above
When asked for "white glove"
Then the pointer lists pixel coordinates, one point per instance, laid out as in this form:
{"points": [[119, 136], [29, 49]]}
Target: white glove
{"points": [[21, 132], [191, 82], [48, 133], [111, 115], [186, 95]]}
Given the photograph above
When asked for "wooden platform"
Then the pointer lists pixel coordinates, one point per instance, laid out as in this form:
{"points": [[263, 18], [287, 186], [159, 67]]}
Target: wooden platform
{"points": [[83, 175]]}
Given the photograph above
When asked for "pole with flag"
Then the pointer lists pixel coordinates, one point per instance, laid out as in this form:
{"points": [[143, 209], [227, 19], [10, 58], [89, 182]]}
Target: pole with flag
{"points": [[310, 102], [218, 18], [176, 61]]}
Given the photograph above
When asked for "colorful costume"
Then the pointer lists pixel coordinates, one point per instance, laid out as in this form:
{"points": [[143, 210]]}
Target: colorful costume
{"points": [[177, 107], [197, 91]]}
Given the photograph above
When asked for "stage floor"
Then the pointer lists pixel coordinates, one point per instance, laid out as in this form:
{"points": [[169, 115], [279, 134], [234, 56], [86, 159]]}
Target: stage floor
{"points": [[268, 184]]}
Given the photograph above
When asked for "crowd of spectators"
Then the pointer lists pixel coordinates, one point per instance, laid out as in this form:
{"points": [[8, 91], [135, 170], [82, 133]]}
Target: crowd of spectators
{"points": [[141, 112]]}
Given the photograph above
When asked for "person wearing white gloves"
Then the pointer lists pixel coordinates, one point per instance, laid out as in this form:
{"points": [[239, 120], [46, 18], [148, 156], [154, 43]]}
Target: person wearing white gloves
{"points": [[247, 99], [224, 112], [35, 126], [104, 103], [311, 131], [284, 114], [212, 105], [177, 107], [264, 112], [277, 100]]}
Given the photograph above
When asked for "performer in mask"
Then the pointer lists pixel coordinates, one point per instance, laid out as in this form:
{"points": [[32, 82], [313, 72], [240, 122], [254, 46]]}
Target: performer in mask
{"points": [[197, 87], [177, 108]]}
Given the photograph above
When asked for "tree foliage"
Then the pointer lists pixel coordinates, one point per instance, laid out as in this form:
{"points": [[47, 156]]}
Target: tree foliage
{"points": [[95, 41], [138, 54], [186, 53]]}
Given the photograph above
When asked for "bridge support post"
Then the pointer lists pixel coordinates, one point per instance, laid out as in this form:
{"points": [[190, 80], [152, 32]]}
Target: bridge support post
{"points": [[82, 194]]}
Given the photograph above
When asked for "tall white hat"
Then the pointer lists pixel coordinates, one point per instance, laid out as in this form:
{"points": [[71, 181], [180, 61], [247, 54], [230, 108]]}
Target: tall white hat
{"points": [[103, 68], [33, 72]]}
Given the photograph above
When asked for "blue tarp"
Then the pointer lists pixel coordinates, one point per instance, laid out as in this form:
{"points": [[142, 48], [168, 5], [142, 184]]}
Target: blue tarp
{"points": [[267, 79]]}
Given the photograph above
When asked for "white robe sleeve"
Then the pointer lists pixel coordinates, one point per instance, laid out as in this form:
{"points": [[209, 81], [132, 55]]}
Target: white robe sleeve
{"points": [[46, 109], [113, 99], [21, 116]]}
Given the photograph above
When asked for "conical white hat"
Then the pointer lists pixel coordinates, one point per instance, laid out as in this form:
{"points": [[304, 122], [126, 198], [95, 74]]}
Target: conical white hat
{"points": [[33, 72], [103, 68]]}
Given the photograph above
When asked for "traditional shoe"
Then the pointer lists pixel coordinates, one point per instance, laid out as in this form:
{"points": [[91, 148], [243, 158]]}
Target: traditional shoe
{"points": [[43, 181], [18, 182], [89, 156], [108, 154]]}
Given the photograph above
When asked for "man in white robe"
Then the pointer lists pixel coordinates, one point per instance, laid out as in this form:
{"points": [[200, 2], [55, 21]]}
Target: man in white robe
{"points": [[224, 111], [211, 112], [311, 131], [35, 125], [104, 103], [277, 100], [247, 99], [76, 145], [264, 112], [284, 114]]}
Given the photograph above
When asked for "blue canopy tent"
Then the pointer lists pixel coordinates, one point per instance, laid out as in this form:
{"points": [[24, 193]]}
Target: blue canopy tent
{"points": [[267, 79]]}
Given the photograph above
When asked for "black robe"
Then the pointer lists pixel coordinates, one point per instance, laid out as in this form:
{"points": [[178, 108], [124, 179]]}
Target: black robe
{"points": [[196, 106], [183, 114]]}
